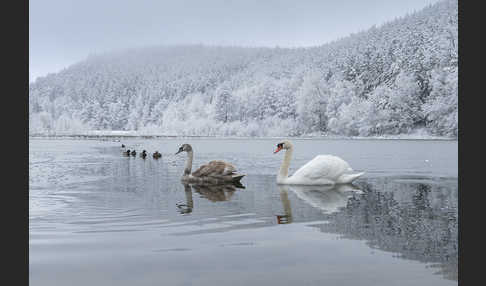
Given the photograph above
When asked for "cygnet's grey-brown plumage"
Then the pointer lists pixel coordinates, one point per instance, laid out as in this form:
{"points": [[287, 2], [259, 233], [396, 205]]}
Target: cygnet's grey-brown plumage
{"points": [[214, 173]]}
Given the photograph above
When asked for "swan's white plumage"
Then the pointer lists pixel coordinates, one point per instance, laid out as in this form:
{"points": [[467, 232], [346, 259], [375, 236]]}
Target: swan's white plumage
{"points": [[322, 170], [322, 166]]}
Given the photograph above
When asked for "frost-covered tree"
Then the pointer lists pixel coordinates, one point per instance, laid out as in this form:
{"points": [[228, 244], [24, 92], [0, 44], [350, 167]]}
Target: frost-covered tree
{"points": [[441, 108], [390, 79], [224, 105], [405, 103], [312, 100]]}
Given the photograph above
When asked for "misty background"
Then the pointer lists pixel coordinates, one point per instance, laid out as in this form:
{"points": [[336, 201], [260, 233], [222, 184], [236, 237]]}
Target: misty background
{"points": [[63, 32]]}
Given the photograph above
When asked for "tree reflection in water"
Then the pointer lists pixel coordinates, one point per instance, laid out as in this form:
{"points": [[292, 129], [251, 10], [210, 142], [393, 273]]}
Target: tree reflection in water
{"points": [[414, 218]]}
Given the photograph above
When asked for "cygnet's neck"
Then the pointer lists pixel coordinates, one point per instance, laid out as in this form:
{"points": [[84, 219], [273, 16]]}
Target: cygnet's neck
{"points": [[188, 167], [284, 168]]}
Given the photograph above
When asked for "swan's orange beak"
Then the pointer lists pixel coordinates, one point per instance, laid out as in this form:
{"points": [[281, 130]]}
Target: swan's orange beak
{"points": [[278, 149]]}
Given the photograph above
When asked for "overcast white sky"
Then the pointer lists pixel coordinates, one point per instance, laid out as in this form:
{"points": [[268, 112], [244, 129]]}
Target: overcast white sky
{"points": [[62, 32]]}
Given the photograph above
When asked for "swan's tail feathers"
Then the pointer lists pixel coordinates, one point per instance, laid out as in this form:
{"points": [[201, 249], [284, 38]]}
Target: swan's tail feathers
{"points": [[348, 178], [238, 185], [237, 178]]}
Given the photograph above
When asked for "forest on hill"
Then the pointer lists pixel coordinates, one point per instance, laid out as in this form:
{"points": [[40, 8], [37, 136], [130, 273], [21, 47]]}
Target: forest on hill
{"points": [[396, 78]]}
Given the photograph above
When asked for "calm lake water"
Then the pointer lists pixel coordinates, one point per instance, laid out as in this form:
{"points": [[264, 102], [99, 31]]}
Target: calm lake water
{"points": [[99, 218]]}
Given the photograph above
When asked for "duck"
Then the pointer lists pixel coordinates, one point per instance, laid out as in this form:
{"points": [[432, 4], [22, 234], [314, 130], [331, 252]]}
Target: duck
{"points": [[213, 173], [126, 153], [143, 154], [123, 145], [322, 170], [156, 155], [133, 153]]}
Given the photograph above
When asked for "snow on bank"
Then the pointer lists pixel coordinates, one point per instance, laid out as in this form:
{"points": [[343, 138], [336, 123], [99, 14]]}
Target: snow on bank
{"points": [[416, 135]]}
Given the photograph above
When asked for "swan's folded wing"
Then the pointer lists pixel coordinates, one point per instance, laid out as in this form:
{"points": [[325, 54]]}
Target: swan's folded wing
{"points": [[322, 166], [202, 171], [229, 169], [214, 168]]}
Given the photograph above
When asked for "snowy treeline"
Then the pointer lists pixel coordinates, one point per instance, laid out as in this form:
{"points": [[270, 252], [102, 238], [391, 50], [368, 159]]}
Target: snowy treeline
{"points": [[392, 79]]}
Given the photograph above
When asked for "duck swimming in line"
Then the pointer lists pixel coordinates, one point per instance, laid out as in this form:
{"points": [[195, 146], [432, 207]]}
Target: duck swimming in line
{"points": [[143, 154], [213, 173], [126, 153], [133, 153], [156, 155]]}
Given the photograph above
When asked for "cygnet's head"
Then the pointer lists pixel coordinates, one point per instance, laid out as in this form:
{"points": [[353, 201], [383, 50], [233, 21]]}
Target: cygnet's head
{"points": [[184, 147]]}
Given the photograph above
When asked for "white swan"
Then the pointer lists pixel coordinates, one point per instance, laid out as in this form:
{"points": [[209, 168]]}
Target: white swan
{"points": [[322, 170]]}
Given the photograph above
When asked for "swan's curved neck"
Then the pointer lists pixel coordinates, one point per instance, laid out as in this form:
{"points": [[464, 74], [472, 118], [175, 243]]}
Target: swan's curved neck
{"points": [[188, 167], [284, 168]]}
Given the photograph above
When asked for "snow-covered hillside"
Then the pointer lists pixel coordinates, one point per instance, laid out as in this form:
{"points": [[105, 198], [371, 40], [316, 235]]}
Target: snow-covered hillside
{"points": [[393, 79]]}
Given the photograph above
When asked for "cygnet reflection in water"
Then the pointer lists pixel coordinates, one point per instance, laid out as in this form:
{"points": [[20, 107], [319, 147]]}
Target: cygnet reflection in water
{"points": [[187, 207], [214, 193]]}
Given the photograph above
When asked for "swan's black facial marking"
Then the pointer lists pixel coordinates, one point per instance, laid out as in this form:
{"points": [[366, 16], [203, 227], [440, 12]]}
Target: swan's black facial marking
{"points": [[185, 147], [180, 149], [279, 147]]}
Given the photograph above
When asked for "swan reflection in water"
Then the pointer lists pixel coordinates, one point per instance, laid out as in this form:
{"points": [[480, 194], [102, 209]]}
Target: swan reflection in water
{"points": [[187, 207], [214, 193], [284, 196], [327, 198]]}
